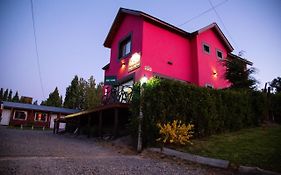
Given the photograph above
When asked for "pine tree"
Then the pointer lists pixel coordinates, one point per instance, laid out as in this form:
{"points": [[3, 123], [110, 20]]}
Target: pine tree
{"points": [[239, 75], [71, 99], [276, 84], [16, 97], [5, 96], [10, 95], [54, 99], [1, 94]]}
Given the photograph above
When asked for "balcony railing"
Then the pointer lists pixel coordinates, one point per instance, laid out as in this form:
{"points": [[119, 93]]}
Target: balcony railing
{"points": [[118, 94]]}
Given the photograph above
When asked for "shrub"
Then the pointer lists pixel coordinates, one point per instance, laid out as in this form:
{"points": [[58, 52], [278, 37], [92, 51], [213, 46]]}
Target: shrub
{"points": [[210, 111], [174, 133]]}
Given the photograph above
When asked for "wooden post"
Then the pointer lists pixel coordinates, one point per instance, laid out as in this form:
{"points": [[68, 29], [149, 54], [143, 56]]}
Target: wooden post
{"points": [[115, 129], [100, 124]]}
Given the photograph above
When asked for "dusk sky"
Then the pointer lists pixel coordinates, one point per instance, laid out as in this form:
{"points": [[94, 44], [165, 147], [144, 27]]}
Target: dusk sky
{"points": [[70, 36]]}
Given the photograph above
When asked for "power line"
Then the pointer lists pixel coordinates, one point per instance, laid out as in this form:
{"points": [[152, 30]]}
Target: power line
{"points": [[217, 14], [202, 13], [36, 47]]}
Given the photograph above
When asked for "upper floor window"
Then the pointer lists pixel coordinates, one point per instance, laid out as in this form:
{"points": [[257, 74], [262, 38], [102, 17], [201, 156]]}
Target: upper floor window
{"points": [[206, 48], [20, 115], [125, 47], [219, 54], [40, 117]]}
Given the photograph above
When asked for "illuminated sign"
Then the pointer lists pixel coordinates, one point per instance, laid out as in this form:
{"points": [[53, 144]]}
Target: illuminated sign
{"points": [[110, 80], [134, 62]]}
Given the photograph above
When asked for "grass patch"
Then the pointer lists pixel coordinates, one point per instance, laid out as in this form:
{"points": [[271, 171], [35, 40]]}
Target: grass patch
{"points": [[259, 147]]}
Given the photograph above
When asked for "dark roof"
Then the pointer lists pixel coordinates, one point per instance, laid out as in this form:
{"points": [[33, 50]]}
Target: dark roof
{"points": [[39, 108], [240, 58], [123, 12], [105, 67]]}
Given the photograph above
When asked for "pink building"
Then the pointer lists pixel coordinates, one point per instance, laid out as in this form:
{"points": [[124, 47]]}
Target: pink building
{"points": [[144, 46]]}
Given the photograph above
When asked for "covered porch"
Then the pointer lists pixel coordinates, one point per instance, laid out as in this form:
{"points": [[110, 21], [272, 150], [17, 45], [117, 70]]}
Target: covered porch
{"points": [[109, 120]]}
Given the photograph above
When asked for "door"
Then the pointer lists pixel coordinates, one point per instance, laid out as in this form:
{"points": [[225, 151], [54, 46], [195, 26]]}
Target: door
{"points": [[53, 117], [6, 115]]}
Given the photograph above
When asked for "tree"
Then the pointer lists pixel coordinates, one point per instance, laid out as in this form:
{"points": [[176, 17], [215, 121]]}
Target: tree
{"points": [[54, 99], [1, 94], [276, 84], [71, 95], [36, 102], [16, 97], [239, 75], [92, 96], [5, 96]]}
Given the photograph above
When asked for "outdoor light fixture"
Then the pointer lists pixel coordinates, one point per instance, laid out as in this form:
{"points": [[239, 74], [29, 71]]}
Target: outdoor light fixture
{"points": [[215, 74], [143, 80]]}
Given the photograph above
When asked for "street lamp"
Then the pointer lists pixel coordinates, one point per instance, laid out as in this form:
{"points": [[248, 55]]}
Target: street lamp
{"points": [[143, 80]]}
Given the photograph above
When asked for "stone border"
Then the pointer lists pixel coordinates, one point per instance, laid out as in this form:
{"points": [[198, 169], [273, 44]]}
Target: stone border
{"points": [[211, 161]]}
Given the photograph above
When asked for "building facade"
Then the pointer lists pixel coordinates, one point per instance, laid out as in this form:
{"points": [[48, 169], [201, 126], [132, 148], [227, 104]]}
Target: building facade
{"points": [[144, 46], [22, 114]]}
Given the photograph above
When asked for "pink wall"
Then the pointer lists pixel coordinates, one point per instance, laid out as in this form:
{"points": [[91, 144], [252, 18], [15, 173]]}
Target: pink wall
{"points": [[130, 25], [161, 46], [208, 63]]}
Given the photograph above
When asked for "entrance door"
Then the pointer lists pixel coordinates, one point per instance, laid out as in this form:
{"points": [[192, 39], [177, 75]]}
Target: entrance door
{"points": [[6, 115], [53, 117]]}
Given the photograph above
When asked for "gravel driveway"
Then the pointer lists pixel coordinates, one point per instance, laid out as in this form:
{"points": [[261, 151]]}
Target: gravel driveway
{"points": [[41, 152]]}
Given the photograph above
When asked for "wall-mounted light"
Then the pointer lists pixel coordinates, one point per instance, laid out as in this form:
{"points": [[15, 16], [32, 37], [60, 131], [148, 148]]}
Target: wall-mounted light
{"points": [[143, 80], [215, 74]]}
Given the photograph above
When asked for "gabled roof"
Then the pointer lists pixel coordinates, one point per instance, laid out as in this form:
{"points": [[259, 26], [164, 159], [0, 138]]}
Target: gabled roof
{"points": [[26, 106], [106, 66], [123, 12], [215, 27]]}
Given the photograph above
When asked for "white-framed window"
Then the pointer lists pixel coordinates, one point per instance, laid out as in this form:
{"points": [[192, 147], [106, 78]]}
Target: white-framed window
{"points": [[40, 117], [20, 115], [206, 48], [219, 54]]}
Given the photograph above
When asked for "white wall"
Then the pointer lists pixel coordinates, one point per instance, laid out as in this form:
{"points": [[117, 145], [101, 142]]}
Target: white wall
{"points": [[6, 115]]}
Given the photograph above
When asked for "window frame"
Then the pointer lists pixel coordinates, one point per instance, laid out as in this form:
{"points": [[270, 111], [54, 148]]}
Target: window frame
{"points": [[122, 43], [14, 116], [42, 113], [219, 51], [203, 47]]}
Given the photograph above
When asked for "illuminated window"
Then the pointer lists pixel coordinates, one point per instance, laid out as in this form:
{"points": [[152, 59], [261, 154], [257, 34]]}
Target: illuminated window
{"points": [[40, 117], [20, 115], [206, 48], [125, 47], [219, 54]]}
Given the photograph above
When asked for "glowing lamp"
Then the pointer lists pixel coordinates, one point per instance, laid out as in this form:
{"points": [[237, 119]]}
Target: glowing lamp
{"points": [[143, 80], [215, 74]]}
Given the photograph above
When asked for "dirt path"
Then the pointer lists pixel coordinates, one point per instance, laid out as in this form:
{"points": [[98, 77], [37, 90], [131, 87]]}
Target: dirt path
{"points": [[41, 152]]}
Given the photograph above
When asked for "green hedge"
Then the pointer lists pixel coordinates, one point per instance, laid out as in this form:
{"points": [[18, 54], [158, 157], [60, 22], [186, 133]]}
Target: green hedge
{"points": [[211, 111]]}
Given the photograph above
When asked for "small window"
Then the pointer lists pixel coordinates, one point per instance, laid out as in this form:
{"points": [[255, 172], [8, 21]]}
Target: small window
{"points": [[206, 48], [20, 115], [40, 117], [125, 47], [219, 54]]}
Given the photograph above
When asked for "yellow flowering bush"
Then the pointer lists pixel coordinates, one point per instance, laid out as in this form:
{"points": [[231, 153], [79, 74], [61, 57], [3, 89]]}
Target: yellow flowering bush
{"points": [[175, 132]]}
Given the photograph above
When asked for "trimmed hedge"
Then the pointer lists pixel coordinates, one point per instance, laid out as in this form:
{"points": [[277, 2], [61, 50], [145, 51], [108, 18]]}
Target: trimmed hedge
{"points": [[211, 111]]}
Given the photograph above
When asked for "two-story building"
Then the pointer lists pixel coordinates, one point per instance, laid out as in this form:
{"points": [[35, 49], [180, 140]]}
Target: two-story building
{"points": [[144, 46]]}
